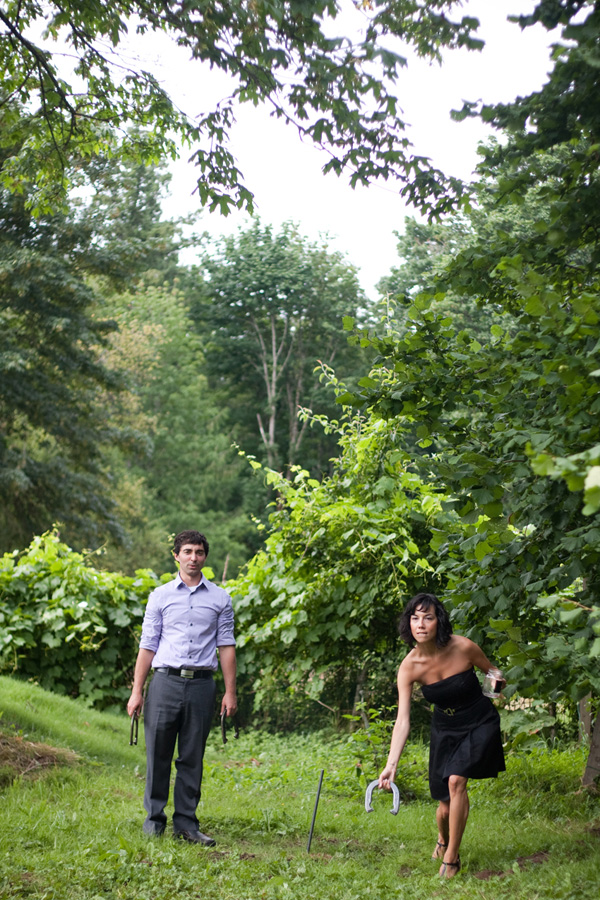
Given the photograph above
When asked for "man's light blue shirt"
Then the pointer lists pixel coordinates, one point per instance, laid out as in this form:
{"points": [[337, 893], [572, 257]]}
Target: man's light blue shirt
{"points": [[184, 625]]}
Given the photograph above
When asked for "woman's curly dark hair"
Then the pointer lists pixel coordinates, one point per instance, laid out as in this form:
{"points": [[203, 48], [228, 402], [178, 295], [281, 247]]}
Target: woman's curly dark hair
{"points": [[425, 602]]}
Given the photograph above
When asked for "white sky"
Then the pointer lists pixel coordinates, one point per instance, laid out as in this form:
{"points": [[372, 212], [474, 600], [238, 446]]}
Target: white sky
{"points": [[285, 174]]}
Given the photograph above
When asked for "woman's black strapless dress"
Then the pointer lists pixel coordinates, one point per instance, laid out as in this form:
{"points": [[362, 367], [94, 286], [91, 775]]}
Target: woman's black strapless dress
{"points": [[465, 732]]}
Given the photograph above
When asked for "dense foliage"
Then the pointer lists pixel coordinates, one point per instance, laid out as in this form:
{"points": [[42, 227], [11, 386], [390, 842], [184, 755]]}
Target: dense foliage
{"points": [[316, 609], [503, 427], [67, 626], [508, 424], [51, 431]]}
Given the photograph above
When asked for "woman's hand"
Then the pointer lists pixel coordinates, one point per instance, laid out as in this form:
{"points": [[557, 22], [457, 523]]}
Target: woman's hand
{"points": [[387, 777]]}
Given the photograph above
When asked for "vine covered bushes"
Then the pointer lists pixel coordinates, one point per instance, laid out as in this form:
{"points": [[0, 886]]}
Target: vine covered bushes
{"points": [[67, 626], [316, 610]]}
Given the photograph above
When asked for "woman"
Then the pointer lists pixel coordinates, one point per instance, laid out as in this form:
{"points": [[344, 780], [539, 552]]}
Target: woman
{"points": [[465, 730]]}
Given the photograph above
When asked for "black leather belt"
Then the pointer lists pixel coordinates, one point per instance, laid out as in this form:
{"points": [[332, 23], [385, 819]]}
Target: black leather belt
{"points": [[185, 673]]}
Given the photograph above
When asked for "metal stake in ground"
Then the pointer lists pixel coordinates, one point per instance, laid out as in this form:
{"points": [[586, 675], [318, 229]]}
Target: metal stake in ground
{"points": [[312, 824]]}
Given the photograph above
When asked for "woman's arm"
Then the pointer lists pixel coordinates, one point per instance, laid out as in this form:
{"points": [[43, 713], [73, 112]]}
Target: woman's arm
{"points": [[401, 727], [476, 656]]}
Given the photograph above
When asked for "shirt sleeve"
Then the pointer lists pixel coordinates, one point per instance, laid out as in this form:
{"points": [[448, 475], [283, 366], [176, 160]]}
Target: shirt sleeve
{"points": [[152, 624], [225, 635]]}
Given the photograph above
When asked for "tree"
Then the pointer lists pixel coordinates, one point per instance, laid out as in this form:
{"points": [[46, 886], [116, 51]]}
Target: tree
{"points": [[426, 249], [51, 437], [509, 426], [279, 53], [273, 304], [186, 474], [120, 214]]}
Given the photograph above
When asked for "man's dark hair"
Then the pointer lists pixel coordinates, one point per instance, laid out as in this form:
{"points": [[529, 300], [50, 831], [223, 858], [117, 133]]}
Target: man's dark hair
{"points": [[425, 602], [189, 537]]}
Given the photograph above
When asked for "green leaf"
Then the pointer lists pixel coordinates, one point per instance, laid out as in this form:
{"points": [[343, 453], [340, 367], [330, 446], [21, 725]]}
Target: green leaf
{"points": [[535, 307]]}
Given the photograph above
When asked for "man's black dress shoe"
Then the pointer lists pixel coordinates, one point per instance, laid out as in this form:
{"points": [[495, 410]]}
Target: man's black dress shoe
{"points": [[195, 837]]}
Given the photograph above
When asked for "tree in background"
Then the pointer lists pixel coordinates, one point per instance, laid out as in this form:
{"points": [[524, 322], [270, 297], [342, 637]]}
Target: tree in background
{"points": [[271, 311], [107, 425], [427, 248], [51, 433], [120, 212], [189, 475]]}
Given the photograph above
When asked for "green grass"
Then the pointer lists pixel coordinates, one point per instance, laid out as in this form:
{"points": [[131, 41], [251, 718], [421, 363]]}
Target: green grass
{"points": [[74, 832]]}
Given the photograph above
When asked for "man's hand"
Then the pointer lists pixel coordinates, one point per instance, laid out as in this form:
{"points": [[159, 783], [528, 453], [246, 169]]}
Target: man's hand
{"points": [[135, 704], [229, 704]]}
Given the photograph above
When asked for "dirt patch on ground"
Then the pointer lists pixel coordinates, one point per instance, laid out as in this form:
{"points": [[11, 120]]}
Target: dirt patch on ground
{"points": [[594, 828], [21, 757], [541, 856]]}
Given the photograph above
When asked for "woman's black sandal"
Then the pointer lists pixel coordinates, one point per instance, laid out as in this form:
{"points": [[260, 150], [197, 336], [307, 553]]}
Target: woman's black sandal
{"points": [[438, 846], [445, 866]]}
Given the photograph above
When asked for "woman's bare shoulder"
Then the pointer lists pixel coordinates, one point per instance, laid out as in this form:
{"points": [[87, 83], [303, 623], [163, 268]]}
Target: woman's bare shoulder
{"points": [[463, 645], [460, 642], [406, 672]]}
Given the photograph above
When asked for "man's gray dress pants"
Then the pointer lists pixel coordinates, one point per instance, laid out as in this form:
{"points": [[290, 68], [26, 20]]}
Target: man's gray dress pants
{"points": [[177, 710]]}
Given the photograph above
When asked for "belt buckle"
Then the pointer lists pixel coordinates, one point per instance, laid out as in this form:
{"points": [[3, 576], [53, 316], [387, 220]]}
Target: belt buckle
{"points": [[450, 711], [186, 673]]}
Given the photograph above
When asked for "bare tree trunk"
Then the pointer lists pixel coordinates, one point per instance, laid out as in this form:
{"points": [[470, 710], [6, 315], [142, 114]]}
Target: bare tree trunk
{"points": [[296, 433], [268, 446], [585, 716], [275, 354], [224, 576], [359, 696], [591, 775]]}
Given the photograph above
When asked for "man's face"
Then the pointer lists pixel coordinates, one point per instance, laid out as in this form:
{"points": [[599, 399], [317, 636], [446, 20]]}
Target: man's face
{"points": [[191, 558]]}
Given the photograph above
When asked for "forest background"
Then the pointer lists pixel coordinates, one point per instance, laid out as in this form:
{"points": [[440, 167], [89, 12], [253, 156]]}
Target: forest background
{"points": [[340, 454]]}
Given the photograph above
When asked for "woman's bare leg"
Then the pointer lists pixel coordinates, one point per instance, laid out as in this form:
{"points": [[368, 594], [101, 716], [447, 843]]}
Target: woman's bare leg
{"points": [[457, 820], [442, 814]]}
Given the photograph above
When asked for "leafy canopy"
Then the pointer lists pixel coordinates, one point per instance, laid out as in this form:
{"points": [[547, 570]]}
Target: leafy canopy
{"points": [[51, 371], [332, 89]]}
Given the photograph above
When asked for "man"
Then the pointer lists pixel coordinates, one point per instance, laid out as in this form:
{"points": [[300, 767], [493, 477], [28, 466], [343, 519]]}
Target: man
{"points": [[186, 621]]}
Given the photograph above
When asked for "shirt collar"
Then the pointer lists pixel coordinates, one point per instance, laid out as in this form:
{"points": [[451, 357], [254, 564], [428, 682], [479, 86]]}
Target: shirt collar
{"points": [[202, 583]]}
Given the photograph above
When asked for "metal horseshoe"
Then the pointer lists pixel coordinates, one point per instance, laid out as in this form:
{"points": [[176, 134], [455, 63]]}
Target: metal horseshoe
{"points": [[369, 795]]}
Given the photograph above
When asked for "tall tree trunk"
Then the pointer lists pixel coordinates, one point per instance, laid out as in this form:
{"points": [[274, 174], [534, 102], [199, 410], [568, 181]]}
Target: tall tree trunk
{"points": [[585, 716], [359, 696], [591, 775]]}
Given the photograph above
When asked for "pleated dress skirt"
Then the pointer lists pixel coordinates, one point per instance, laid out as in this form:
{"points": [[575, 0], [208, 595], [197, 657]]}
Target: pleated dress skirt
{"points": [[465, 733]]}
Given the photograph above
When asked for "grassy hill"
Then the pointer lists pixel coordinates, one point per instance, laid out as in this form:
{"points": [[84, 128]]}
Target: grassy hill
{"points": [[72, 813]]}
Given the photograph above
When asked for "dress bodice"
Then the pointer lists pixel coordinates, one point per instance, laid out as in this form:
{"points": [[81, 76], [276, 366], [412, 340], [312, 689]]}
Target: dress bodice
{"points": [[456, 691]]}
